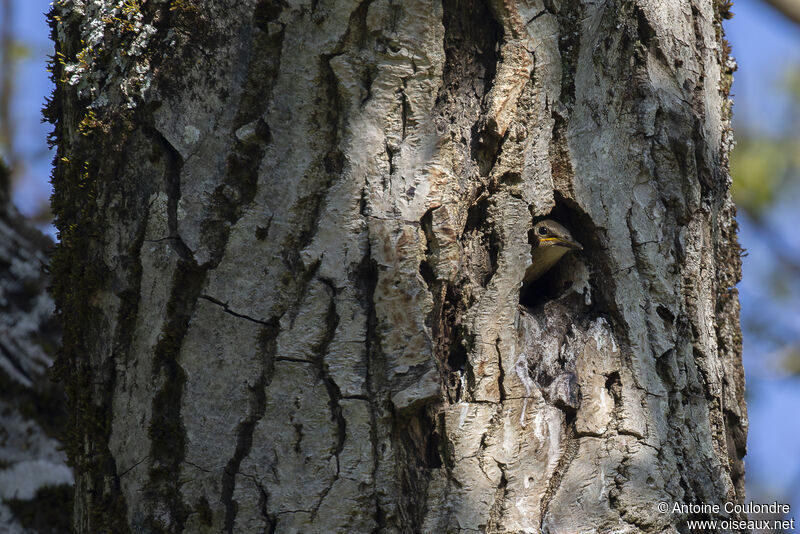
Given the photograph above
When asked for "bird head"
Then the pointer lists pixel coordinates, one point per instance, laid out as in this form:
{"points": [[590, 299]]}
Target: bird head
{"points": [[549, 233]]}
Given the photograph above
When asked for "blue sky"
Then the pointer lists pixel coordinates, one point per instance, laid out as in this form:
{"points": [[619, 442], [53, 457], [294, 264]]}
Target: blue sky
{"points": [[765, 45], [32, 85]]}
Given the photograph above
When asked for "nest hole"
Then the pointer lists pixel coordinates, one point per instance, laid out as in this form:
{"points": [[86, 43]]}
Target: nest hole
{"points": [[552, 285], [571, 271]]}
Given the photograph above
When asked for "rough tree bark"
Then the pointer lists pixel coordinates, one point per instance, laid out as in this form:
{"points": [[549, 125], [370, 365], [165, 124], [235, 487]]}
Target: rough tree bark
{"points": [[293, 236]]}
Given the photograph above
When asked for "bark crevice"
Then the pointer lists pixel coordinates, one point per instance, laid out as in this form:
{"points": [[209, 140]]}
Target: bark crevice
{"points": [[166, 431], [244, 434]]}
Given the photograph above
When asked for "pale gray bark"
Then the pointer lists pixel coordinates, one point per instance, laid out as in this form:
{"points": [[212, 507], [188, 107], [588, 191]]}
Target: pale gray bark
{"points": [[303, 229]]}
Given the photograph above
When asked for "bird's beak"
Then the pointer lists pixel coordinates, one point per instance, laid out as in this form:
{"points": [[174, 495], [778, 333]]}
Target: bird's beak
{"points": [[563, 243]]}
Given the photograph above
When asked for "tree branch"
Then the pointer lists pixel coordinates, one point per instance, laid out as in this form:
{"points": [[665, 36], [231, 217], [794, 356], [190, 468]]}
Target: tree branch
{"points": [[788, 8]]}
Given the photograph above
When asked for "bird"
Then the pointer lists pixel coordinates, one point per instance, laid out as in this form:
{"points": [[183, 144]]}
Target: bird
{"points": [[552, 242]]}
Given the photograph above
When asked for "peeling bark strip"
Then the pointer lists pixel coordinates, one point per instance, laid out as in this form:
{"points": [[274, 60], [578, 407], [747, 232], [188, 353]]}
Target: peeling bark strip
{"points": [[293, 238]]}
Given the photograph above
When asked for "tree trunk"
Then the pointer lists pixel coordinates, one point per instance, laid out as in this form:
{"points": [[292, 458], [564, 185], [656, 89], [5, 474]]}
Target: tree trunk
{"points": [[35, 482], [293, 237]]}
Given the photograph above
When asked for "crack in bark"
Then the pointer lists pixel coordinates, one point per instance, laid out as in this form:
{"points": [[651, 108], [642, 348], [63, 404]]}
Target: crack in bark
{"points": [[405, 109], [172, 186], [500, 496], [334, 393], [559, 471], [501, 373], [167, 433], [442, 318], [226, 309], [568, 14], [367, 280], [258, 406], [263, 502], [134, 466], [536, 16], [199, 468], [390, 152]]}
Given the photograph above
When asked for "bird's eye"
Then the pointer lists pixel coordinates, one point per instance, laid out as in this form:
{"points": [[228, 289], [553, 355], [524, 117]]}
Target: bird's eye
{"points": [[542, 230]]}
